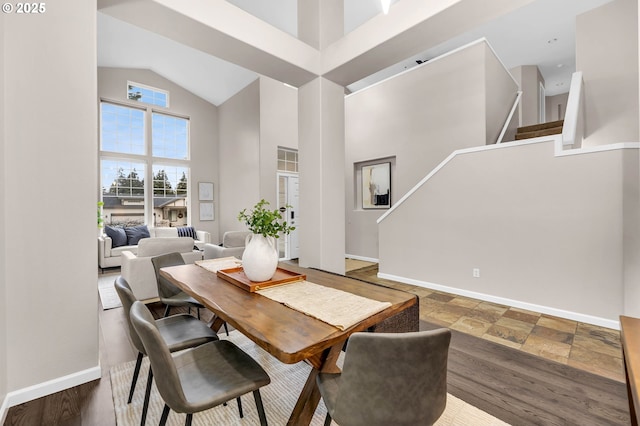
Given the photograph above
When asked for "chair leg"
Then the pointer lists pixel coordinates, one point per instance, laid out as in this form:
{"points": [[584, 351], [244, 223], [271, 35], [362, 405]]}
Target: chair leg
{"points": [[327, 420], [198, 309], [147, 394], [134, 380], [166, 311], [189, 419], [165, 415], [226, 329], [240, 407], [258, 398]]}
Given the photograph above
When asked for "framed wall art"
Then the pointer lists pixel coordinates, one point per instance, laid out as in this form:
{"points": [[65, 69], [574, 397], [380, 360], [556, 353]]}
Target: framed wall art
{"points": [[206, 211], [376, 186], [205, 191]]}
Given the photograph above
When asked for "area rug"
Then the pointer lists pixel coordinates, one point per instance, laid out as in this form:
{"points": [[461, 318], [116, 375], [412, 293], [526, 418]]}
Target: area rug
{"points": [[278, 397], [108, 295]]}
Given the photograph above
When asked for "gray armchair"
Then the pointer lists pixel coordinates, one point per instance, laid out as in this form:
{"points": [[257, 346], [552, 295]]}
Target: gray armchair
{"points": [[389, 379], [232, 245]]}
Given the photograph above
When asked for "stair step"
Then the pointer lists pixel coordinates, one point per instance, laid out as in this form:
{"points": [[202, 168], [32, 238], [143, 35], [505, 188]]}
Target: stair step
{"points": [[538, 133], [541, 126]]}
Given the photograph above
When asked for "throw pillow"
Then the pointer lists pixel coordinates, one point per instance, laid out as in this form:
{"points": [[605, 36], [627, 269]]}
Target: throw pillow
{"points": [[136, 233], [187, 231], [117, 235]]}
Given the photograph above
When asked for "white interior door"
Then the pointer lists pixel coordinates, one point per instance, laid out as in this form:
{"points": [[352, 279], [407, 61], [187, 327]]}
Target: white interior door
{"points": [[293, 200], [288, 195]]}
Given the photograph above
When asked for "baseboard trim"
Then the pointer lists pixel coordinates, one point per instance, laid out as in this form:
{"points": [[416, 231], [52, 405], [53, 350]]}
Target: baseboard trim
{"points": [[30, 393], [575, 316], [363, 258], [4, 409]]}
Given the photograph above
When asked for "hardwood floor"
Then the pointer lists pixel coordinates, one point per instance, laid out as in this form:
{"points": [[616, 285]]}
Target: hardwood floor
{"points": [[515, 386], [523, 389]]}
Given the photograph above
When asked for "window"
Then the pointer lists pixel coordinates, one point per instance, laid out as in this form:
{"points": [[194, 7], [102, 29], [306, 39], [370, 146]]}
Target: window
{"points": [[147, 94], [170, 181], [287, 160], [170, 136], [122, 129], [144, 175], [122, 191]]}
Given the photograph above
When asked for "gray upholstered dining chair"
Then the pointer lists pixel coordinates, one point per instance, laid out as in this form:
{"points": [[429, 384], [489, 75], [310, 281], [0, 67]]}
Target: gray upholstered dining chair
{"points": [[199, 378], [178, 331], [169, 294], [389, 379]]}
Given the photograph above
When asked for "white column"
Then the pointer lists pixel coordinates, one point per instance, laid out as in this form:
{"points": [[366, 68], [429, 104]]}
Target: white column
{"points": [[321, 221], [321, 163], [320, 23]]}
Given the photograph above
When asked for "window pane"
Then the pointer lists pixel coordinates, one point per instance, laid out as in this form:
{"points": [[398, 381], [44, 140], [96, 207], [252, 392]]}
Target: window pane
{"points": [[122, 129], [170, 195], [170, 136], [147, 95], [122, 191]]}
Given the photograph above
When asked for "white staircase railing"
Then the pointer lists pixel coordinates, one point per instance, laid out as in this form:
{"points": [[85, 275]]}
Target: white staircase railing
{"points": [[510, 117], [573, 128]]}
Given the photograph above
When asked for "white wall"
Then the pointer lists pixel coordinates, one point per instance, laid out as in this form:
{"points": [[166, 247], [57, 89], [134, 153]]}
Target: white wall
{"points": [[50, 139], [607, 55], [419, 118], [541, 229], [203, 129]]}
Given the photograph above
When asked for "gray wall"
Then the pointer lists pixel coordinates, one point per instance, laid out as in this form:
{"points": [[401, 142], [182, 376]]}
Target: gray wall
{"points": [[553, 102], [240, 148], [418, 118], [278, 127], [253, 124], [610, 74], [50, 121], [529, 79], [541, 229], [203, 128], [500, 94], [3, 221]]}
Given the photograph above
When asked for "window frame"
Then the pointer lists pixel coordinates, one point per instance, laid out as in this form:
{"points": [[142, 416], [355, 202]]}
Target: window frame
{"points": [[147, 158], [151, 88]]}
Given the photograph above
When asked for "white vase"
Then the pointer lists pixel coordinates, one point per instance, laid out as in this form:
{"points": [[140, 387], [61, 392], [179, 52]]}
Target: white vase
{"points": [[260, 257]]}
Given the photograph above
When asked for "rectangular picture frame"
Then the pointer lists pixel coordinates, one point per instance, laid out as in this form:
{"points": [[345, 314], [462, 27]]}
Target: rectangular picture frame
{"points": [[376, 186], [206, 211], [205, 191]]}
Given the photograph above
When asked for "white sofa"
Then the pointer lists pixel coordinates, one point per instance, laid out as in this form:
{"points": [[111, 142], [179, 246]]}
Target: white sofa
{"points": [[232, 245], [138, 270], [109, 256]]}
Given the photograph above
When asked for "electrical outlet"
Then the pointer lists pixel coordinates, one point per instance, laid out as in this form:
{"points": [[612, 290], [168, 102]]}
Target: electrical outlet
{"points": [[476, 272]]}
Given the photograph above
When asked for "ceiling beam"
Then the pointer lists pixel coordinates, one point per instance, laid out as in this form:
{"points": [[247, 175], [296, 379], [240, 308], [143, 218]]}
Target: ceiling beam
{"points": [[411, 27], [225, 31]]}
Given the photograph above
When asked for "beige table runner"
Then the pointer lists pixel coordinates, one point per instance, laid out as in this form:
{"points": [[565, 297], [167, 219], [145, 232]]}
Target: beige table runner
{"points": [[214, 265], [335, 307]]}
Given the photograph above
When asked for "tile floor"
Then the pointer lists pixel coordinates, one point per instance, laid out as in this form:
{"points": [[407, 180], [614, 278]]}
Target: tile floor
{"points": [[585, 346]]}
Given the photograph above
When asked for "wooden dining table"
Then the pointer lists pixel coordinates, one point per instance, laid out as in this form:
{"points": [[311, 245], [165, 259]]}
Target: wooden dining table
{"points": [[287, 334]]}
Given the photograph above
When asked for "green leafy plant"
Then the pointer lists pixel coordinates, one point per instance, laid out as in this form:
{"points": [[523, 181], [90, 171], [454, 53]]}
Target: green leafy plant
{"points": [[263, 221], [100, 219]]}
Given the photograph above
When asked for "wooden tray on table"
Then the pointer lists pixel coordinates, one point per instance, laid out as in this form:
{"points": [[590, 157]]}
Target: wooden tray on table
{"points": [[237, 277]]}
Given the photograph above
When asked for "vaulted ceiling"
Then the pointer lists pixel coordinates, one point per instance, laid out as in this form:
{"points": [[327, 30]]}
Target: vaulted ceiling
{"points": [[540, 32]]}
